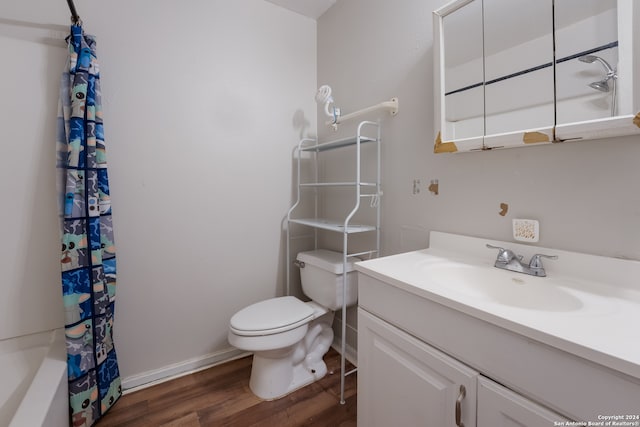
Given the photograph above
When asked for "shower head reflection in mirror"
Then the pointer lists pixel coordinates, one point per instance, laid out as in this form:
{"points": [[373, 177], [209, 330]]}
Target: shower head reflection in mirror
{"points": [[603, 84]]}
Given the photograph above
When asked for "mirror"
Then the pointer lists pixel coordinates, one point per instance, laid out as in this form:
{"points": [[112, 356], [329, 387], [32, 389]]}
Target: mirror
{"points": [[518, 45], [463, 75], [586, 59], [597, 68], [511, 73]]}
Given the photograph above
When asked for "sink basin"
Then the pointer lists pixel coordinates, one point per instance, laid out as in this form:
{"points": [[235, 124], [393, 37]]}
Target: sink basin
{"points": [[504, 287]]}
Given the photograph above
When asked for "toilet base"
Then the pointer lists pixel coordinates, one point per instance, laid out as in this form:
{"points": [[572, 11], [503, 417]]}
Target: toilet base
{"points": [[276, 373], [267, 385]]}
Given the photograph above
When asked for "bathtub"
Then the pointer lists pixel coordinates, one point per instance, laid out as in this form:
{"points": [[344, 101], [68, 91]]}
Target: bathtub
{"points": [[33, 381]]}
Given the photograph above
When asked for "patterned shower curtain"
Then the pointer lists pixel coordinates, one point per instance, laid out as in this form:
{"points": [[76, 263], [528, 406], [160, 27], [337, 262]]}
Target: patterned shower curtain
{"points": [[88, 258]]}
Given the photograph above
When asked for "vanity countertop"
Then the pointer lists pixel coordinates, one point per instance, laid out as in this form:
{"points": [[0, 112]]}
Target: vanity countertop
{"points": [[587, 305]]}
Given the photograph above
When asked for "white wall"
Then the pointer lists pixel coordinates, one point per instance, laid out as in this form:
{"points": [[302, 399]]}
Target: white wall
{"points": [[203, 103], [30, 284], [584, 193]]}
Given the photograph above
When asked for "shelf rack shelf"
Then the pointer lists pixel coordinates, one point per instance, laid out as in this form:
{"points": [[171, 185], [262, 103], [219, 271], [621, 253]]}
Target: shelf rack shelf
{"points": [[338, 143], [325, 224], [343, 226], [338, 184]]}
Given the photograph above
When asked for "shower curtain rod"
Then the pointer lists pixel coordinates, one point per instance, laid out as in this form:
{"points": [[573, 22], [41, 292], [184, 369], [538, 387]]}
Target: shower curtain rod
{"points": [[74, 15]]}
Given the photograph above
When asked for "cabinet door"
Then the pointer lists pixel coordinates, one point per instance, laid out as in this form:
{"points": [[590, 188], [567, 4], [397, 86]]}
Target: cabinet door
{"points": [[404, 382], [499, 406]]}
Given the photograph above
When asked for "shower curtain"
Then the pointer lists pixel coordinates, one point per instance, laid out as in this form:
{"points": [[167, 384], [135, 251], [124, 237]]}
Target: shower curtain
{"points": [[88, 260]]}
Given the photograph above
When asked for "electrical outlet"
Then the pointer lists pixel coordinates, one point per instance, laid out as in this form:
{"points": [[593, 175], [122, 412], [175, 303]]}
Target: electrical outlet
{"points": [[416, 186]]}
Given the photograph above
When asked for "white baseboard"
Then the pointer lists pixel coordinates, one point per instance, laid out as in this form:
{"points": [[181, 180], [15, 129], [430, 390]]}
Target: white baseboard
{"points": [[177, 370]]}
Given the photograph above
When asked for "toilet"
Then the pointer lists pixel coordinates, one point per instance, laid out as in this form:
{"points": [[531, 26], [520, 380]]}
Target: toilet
{"points": [[289, 337]]}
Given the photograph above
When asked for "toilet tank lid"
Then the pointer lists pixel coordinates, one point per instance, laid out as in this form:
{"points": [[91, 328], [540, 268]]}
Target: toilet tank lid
{"points": [[271, 314], [327, 260]]}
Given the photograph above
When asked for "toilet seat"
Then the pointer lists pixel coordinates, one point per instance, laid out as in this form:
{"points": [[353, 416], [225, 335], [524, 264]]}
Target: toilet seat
{"points": [[271, 316]]}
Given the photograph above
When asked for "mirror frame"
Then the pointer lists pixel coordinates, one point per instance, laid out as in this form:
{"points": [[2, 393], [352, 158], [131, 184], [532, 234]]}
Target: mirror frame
{"points": [[629, 37]]}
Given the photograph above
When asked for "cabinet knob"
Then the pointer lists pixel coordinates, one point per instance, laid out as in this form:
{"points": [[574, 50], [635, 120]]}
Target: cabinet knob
{"points": [[461, 396]]}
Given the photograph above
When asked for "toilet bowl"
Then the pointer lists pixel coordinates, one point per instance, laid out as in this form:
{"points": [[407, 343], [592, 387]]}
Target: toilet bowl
{"points": [[289, 337]]}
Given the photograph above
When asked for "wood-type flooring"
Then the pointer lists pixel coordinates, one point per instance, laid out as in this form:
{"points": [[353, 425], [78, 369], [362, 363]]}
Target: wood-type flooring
{"points": [[220, 396]]}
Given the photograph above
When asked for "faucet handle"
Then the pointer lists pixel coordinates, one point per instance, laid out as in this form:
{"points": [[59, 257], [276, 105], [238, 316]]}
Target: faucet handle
{"points": [[504, 255], [536, 261], [494, 247]]}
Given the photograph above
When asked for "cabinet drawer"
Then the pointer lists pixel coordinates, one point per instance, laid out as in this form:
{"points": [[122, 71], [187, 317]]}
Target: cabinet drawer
{"points": [[499, 406]]}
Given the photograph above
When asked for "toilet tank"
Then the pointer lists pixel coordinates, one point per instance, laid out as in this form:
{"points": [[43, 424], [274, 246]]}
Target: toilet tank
{"points": [[322, 281]]}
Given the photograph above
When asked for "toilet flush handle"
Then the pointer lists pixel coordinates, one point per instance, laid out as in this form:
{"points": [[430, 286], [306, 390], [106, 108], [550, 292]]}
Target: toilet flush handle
{"points": [[299, 264]]}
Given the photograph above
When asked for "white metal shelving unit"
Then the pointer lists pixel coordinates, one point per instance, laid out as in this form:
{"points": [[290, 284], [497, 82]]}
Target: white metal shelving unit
{"points": [[362, 190]]}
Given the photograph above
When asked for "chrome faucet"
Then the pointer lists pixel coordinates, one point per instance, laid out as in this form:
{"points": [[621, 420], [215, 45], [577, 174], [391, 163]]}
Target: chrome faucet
{"points": [[508, 260]]}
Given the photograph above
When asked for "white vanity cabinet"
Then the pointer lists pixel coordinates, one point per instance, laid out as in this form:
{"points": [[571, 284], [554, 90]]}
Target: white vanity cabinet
{"points": [[529, 351], [404, 382]]}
